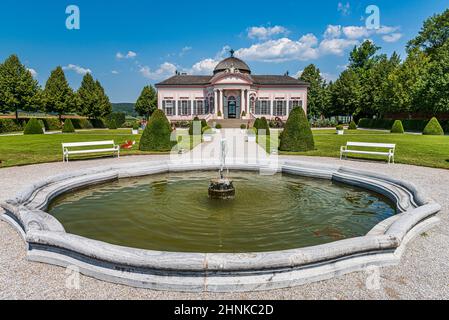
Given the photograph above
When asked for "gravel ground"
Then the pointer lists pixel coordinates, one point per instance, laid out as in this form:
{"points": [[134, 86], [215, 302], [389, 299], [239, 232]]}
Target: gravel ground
{"points": [[422, 274]]}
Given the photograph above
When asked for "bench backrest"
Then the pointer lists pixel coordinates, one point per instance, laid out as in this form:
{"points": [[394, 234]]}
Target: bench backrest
{"points": [[371, 145], [88, 144]]}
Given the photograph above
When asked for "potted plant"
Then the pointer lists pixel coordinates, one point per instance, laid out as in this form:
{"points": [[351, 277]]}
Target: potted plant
{"points": [[218, 128], [243, 128], [135, 129], [340, 130], [207, 134]]}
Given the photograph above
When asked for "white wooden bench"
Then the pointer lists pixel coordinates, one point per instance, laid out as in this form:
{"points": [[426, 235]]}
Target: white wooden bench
{"points": [[109, 146], [349, 149]]}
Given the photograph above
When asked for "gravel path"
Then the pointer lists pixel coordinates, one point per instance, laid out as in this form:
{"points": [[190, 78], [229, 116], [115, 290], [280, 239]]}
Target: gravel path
{"points": [[422, 274]]}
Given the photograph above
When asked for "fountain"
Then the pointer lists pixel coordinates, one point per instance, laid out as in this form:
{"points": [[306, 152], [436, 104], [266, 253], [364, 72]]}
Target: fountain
{"points": [[222, 188]]}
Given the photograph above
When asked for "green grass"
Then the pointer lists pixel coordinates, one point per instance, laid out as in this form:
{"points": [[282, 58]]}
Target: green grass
{"points": [[24, 150], [428, 151]]}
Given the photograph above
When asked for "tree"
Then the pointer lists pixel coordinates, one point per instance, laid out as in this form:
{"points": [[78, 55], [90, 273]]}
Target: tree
{"points": [[18, 89], [433, 35], [317, 98], [346, 94], [92, 98], [147, 102], [297, 135], [363, 56], [58, 97]]}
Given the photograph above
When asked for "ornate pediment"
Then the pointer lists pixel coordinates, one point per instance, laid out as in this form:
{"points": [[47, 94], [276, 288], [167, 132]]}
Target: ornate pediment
{"points": [[232, 78]]}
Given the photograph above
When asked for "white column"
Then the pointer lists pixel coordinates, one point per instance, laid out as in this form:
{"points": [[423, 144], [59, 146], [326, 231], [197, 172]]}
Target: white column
{"points": [[216, 103], [220, 102], [242, 103], [247, 103]]}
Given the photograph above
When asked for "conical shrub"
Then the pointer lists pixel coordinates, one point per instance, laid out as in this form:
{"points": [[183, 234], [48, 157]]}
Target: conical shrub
{"points": [[33, 127], [352, 125], [397, 127], [68, 126], [433, 128], [157, 134], [297, 135]]}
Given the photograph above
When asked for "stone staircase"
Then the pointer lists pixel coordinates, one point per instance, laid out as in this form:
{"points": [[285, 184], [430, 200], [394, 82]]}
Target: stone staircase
{"points": [[231, 123]]}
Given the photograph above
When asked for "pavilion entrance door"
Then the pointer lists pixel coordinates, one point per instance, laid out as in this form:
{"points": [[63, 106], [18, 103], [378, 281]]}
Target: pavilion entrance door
{"points": [[232, 108]]}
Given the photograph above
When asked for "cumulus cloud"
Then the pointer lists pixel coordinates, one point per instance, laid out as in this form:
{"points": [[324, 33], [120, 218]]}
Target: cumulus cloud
{"points": [[33, 72], [336, 46], [184, 51], [264, 33], [114, 72], [165, 70], [356, 32], [205, 66], [129, 55], [332, 32], [394, 37], [77, 69], [281, 50]]}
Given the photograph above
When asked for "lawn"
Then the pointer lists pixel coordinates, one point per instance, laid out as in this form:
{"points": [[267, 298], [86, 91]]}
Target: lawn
{"points": [[23, 150], [428, 151]]}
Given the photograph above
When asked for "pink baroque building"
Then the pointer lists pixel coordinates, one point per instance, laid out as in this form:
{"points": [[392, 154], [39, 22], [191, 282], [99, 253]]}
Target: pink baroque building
{"points": [[232, 92]]}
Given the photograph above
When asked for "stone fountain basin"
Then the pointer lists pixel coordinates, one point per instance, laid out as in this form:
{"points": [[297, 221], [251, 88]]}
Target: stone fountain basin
{"points": [[48, 242]]}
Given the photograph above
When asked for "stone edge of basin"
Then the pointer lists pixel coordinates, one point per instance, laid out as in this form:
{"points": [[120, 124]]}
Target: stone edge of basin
{"points": [[48, 242]]}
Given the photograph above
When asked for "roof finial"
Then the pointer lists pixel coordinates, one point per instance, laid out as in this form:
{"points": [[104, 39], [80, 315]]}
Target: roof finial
{"points": [[232, 53]]}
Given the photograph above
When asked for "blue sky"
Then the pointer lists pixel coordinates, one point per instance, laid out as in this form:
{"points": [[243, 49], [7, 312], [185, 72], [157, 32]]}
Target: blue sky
{"points": [[129, 44]]}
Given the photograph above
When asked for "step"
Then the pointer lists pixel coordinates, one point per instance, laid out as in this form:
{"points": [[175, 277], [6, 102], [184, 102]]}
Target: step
{"points": [[231, 123]]}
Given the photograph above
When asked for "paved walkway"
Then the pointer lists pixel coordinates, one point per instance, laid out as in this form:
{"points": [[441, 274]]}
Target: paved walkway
{"points": [[422, 274]]}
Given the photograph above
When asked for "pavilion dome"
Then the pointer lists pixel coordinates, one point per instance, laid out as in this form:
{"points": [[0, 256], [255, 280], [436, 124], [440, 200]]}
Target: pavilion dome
{"points": [[232, 62]]}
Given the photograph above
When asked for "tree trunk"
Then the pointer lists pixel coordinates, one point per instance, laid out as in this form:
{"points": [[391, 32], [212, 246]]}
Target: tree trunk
{"points": [[17, 114]]}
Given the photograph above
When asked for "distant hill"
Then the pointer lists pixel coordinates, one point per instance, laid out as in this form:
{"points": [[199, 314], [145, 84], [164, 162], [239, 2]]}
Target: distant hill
{"points": [[127, 108]]}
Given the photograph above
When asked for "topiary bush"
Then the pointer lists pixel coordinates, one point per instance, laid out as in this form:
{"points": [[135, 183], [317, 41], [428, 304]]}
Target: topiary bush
{"points": [[352, 125], [9, 125], [243, 126], [433, 128], [203, 123], [397, 127], [340, 127], [157, 134], [68, 126], [297, 135], [33, 127], [206, 130], [218, 126]]}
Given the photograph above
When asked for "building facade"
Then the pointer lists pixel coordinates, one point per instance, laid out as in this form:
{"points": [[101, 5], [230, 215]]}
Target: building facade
{"points": [[232, 92]]}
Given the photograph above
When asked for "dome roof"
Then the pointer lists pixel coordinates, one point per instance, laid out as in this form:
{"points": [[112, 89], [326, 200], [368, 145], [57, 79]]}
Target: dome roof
{"points": [[232, 62]]}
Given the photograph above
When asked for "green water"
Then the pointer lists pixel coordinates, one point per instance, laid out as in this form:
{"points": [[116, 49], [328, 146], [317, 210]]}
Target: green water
{"points": [[172, 212]]}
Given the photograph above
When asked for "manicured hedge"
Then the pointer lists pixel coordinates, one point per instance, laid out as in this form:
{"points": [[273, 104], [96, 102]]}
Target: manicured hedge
{"points": [[433, 128], [263, 125], [68, 127], [157, 134], [410, 125], [297, 135], [33, 127], [9, 125], [115, 120], [352, 126], [52, 124]]}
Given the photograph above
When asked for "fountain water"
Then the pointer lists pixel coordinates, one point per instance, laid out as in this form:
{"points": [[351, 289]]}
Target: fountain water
{"points": [[222, 187]]}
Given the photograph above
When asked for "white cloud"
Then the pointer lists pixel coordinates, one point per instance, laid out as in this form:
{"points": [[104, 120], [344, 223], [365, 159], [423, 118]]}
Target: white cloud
{"points": [[345, 9], [129, 55], [394, 37], [114, 72], [280, 50], [33, 72], [264, 33], [205, 66], [332, 32], [356, 32], [336, 46], [165, 70], [77, 69]]}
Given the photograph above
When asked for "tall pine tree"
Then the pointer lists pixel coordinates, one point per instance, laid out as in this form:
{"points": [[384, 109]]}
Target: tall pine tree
{"points": [[93, 99], [18, 89], [58, 97]]}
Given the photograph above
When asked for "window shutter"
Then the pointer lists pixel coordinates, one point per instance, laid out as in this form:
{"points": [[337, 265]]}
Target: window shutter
{"points": [[257, 107], [195, 108], [189, 112], [179, 108]]}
